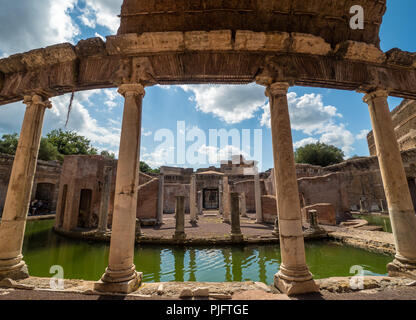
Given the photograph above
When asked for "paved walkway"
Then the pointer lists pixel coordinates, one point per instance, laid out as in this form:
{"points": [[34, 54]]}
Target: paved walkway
{"points": [[208, 225]]}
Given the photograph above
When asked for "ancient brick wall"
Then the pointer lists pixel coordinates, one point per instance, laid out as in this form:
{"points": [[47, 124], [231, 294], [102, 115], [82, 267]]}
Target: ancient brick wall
{"points": [[45, 184], [404, 122], [147, 201]]}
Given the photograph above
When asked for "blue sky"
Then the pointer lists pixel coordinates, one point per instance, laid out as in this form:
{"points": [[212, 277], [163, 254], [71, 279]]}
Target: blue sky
{"points": [[332, 116]]}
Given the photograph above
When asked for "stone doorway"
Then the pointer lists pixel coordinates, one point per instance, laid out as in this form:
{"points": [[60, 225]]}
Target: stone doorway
{"points": [[211, 199], [84, 208], [412, 188]]}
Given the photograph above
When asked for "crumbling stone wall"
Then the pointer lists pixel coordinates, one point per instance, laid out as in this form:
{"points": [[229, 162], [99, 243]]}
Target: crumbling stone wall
{"points": [[361, 182], [404, 122], [330, 188], [47, 172]]}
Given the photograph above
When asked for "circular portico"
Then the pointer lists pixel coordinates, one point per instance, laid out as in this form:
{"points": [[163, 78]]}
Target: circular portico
{"points": [[277, 44]]}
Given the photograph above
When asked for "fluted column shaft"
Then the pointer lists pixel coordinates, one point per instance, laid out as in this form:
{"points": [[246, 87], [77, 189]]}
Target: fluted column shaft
{"points": [[13, 223]]}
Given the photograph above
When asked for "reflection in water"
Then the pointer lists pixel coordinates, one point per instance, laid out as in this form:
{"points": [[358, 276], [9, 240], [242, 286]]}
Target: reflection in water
{"points": [[179, 255], [88, 260], [192, 265], [226, 253]]}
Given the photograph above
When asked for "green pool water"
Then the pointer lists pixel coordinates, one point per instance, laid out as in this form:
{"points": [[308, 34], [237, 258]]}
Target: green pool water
{"points": [[85, 260], [376, 220]]}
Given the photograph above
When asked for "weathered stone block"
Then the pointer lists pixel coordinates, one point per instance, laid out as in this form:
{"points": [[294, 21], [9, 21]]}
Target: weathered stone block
{"points": [[402, 58], [262, 41], [90, 47], [325, 211], [353, 50], [39, 58], [13, 63], [310, 44], [269, 208], [145, 43], [213, 40], [201, 292], [147, 201]]}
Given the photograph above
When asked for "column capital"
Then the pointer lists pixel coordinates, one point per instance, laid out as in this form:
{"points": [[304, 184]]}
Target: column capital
{"points": [[277, 89], [378, 93], [131, 89], [38, 100]]}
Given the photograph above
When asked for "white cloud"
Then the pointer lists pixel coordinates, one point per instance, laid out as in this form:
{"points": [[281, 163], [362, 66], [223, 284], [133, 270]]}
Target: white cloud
{"points": [[158, 157], [28, 24], [230, 103], [103, 13], [339, 136], [362, 135], [309, 115], [304, 142], [146, 133]]}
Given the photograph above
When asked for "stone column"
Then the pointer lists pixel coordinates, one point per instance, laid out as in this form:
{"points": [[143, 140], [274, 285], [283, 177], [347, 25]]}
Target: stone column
{"points": [[294, 276], [402, 213], [257, 197], [121, 275], [180, 218], [105, 200], [236, 234], [192, 200], [161, 199], [200, 205], [226, 207], [243, 205], [220, 198], [13, 223]]}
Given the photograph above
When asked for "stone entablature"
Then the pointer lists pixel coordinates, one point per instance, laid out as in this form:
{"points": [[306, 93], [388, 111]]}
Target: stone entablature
{"points": [[314, 17], [215, 57], [404, 121]]}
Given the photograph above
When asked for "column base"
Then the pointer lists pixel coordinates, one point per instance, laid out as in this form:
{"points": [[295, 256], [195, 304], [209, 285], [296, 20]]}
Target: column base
{"points": [[179, 236], [399, 268], [295, 284], [15, 269], [259, 221], [237, 237], [105, 285], [276, 234]]}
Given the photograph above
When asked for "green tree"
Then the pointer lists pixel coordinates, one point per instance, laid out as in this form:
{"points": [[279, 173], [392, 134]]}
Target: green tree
{"points": [[107, 154], [145, 168], [70, 143], [48, 151], [319, 154], [8, 143]]}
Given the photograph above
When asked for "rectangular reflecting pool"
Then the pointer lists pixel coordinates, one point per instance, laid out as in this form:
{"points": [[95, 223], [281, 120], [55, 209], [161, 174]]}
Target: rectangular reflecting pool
{"points": [[86, 260]]}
